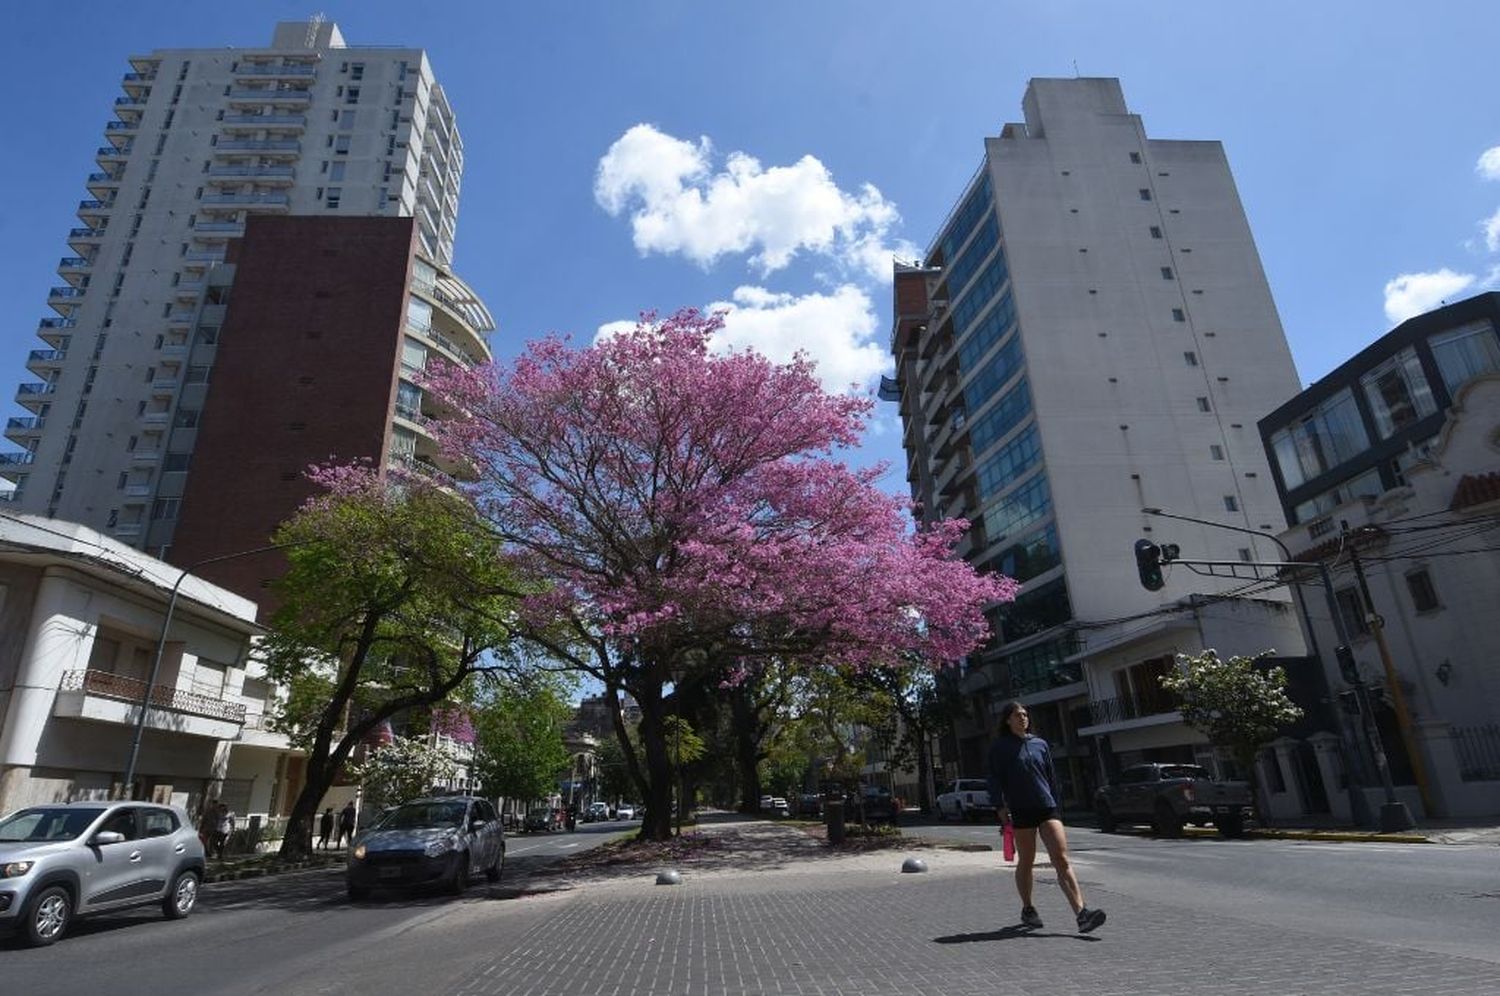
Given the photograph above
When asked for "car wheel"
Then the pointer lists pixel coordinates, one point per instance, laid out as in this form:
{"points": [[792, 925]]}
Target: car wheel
{"points": [[492, 873], [47, 916], [1167, 822], [1231, 826], [460, 876], [1106, 819], [359, 893], [181, 897]]}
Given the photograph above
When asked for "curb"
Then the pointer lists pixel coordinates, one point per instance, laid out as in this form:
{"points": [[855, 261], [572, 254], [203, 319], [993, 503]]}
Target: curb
{"points": [[264, 871], [1331, 836]]}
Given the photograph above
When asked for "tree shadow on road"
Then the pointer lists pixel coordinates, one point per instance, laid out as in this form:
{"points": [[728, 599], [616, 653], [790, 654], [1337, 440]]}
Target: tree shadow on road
{"points": [[1010, 933]]}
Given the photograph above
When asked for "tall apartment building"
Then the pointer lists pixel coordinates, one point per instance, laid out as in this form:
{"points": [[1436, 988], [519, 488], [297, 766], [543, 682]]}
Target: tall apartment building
{"points": [[346, 160], [1090, 334]]}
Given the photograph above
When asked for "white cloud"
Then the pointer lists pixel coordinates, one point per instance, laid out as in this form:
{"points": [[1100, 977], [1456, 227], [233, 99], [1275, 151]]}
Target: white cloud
{"points": [[1412, 294], [836, 330], [678, 204], [1489, 164], [1491, 227]]}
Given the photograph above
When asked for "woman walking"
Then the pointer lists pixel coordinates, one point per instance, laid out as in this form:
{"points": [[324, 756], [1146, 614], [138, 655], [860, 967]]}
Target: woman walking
{"points": [[1023, 788]]}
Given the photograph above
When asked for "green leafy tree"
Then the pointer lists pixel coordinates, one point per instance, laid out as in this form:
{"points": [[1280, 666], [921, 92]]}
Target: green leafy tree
{"points": [[614, 773], [396, 598], [1237, 705], [404, 769], [518, 736]]}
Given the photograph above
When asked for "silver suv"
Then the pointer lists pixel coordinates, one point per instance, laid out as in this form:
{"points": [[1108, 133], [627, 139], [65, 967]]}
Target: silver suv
{"points": [[58, 862]]}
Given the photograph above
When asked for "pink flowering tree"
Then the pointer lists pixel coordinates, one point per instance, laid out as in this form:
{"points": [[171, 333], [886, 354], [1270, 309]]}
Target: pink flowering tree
{"points": [[685, 508]]}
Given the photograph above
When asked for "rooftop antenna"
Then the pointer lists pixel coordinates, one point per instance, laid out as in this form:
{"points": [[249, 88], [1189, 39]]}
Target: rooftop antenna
{"points": [[313, 24], [1075, 69]]}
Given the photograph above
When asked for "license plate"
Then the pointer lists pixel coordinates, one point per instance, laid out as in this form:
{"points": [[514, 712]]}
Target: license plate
{"points": [[391, 872]]}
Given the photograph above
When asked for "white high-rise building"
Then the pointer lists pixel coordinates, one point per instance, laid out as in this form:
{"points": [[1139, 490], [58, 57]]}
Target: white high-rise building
{"points": [[1090, 334], [202, 139]]}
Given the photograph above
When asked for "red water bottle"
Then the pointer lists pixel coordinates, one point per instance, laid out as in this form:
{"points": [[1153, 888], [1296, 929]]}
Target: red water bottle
{"points": [[1008, 841]]}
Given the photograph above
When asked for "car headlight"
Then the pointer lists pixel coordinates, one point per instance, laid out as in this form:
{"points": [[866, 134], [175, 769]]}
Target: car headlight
{"points": [[16, 869], [439, 847], [359, 853]]}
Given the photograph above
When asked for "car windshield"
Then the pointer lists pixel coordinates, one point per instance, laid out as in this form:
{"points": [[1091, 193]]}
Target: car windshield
{"points": [[417, 815], [1184, 771], [45, 823]]}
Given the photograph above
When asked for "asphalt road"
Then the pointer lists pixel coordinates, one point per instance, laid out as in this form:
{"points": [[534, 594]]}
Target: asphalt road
{"points": [[1436, 897], [294, 933]]}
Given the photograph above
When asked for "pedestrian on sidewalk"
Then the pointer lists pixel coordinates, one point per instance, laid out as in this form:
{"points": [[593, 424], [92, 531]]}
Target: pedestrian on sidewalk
{"points": [[346, 824], [325, 828], [1023, 789], [223, 829]]}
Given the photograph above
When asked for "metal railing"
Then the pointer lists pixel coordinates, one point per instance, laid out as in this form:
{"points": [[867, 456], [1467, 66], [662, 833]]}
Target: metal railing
{"points": [[1133, 706], [117, 686], [1478, 750]]}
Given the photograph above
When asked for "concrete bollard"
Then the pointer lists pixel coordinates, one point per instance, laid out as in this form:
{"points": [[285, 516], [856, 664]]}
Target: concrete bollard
{"points": [[913, 865], [835, 819], [669, 877]]}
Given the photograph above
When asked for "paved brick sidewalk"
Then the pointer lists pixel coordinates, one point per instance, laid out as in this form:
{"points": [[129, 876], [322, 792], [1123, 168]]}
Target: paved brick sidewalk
{"points": [[836, 925]]}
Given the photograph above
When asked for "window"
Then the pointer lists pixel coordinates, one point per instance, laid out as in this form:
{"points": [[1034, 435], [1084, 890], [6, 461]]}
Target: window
{"points": [[176, 462], [1465, 353], [408, 400], [208, 334], [341, 145], [1216, 451], [1178, 315], [336, 170], [158, 822], [1145, 194], [1352, 609], [351, 95], [1204, 406], [1322, 439], [1135, 157], [1190, 358], [356, 71], [335, 194], [1156, 231], [1166, 273], [122, 822], [1398, 393], [165, 508], [1423, 595], [1231, 503], [186, 418]]}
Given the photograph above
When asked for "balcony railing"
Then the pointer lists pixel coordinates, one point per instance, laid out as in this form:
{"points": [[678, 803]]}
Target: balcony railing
{"points": [[65, 292], [139, 77], [20, 459], [85, 233], [245, 199], [269, 95], [1134, 706], [235, 227], [57, 323], [46, 356], [118, 686], [285, 171], [266, 120], [25, 423], [121, 126], [252, 69], [112, 151], [260, 145], [24, 389]]}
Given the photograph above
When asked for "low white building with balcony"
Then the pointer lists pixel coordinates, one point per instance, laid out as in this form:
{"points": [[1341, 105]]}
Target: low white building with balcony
{"points": [[80, 619]]}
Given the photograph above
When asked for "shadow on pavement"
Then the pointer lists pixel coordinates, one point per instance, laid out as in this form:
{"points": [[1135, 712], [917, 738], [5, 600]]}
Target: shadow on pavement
{"points": [[1009, 933]]}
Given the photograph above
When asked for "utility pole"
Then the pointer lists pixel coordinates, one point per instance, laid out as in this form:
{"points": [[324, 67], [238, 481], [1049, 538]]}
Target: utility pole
{"points": [[1392, 680]]}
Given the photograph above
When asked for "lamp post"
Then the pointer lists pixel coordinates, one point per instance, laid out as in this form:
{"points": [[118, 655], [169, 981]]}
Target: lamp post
{"points": [[161, 644], [1394, 814]]}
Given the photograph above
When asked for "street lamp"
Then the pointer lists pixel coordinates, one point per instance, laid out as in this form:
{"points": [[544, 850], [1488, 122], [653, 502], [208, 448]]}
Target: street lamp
{"points": [[1394, 814], [161, 644]]}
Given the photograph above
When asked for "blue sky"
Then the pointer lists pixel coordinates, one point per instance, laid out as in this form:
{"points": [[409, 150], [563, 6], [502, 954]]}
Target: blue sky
{"points": [[651, 154]]}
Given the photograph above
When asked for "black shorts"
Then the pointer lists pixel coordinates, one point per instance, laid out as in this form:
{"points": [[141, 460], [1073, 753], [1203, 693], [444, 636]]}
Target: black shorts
{"points": [[1031, 818]]}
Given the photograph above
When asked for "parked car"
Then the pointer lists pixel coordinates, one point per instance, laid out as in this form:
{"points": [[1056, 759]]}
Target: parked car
{"points": [[1170, 795], [444, 840], [595, 812], [66, 861], [878, 805], [625, 811], [965, 799], [809, 804]]}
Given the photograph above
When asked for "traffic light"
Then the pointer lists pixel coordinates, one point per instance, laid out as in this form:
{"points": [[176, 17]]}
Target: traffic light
{"points": [[1347, 665], [1148, 563]]}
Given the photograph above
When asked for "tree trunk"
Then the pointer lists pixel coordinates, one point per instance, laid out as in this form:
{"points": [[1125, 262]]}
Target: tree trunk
{"points": [[657, 822], [924, 773], [746, 749]]}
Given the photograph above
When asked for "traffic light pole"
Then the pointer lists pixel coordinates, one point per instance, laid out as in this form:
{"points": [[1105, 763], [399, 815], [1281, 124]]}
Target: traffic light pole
{"points": [[1394, 814]]}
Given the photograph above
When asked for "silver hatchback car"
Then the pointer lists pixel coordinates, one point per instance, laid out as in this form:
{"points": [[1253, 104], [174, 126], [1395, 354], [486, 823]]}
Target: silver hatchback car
{"points": [[58, 862]]}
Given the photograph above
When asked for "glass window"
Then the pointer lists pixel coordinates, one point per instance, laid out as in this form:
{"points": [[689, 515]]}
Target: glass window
{"points": [[963, 270], [403, 444], [413, 354], [1366, 485], [1005, 365], [418, 314], [1003, 416], [46, 823], [1009, 463], [122, 821], [1320, 440], [1465, 352], [1031, 556], [158, 822], [1398, 393], [980, 293], [988, 332], [1423, 594], [408, 399], [968, 216], [1023, 506], [1352, 608]]}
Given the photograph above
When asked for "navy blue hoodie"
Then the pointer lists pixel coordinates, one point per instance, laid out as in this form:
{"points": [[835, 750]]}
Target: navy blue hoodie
{"points": [[1021, 773]]}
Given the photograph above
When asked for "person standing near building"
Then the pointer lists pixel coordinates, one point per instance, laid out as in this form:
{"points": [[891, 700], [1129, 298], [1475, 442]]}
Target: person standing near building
{"points": [[1023, 789], [346, 824], [223, 829], [325, 828]]}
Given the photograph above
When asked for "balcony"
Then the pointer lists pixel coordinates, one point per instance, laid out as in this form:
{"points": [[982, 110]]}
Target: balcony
{"points": [[251, 172], [24, 425], [115, 698], [131, 102], [1137, 705], [94, 209], [180, 317], [265, 121], [145, 458], [220, 227], [139, 491], [260, 145], [125, 530], [152, 418], [64, 299], [259, 69], [112, 152], [258, 731], [121, 126], [255, 200], [34, 390], [204, 256], [269, 96], [41, 360], [102, 184], [21, 459], [74, 266]]}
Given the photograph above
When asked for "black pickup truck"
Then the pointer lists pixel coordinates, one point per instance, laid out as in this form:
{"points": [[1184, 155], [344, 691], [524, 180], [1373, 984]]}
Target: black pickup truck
{"points": [[1167, 796]]}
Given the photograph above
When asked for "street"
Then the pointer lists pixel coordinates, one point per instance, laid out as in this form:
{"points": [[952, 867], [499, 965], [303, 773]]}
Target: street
{"points": [[775, 912]]}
